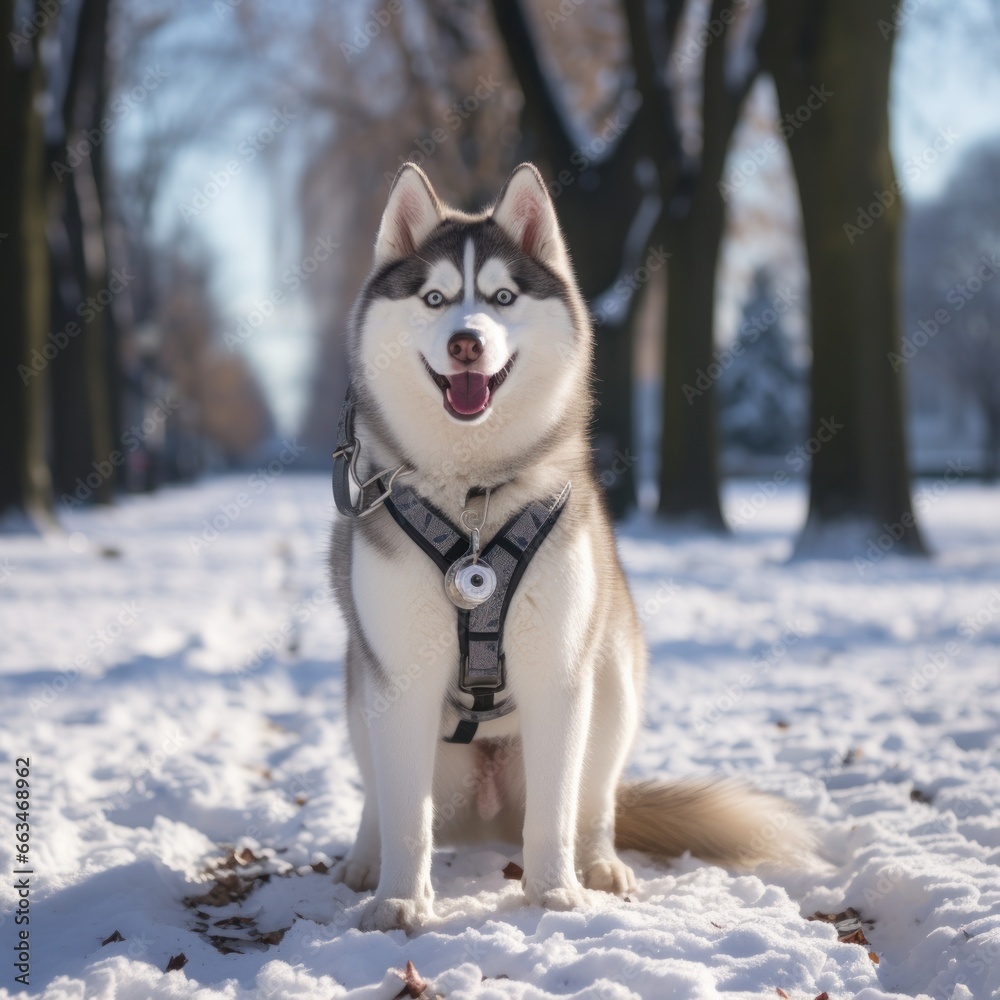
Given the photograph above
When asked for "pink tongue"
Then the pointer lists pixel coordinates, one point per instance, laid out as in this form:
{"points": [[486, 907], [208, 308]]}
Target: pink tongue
{"points": [[469, 392]]}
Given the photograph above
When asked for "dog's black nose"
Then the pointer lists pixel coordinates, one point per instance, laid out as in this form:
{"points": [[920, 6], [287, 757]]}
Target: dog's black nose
{"points": [[465, 346]]}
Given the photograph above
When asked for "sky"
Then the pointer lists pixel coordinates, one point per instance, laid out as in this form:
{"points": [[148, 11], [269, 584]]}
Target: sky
{"points": [[945, 77]]}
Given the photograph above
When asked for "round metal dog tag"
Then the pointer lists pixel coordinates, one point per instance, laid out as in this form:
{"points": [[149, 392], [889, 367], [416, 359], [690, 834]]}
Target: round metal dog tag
{"points": [[469, 582]]}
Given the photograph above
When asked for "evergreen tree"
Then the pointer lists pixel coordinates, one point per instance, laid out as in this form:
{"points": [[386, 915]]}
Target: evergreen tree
{"points": [[761, 392]]}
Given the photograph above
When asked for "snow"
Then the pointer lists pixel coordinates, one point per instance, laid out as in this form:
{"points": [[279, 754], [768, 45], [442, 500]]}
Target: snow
{"points": [[179, 695]]}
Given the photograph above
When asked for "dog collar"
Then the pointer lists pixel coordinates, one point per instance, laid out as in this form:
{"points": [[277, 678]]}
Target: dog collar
{"points": [[482, 663]]}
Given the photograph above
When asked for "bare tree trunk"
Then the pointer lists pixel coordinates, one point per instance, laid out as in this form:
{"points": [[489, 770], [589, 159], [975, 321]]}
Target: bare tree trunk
{"points": [[597, 206], [991, 449], [24, 267], [691, 226], [83, 425], [830, 59], [689, 477]]}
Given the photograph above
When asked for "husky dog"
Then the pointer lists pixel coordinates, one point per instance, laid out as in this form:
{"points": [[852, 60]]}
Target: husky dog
{"points": [[470, 383]]}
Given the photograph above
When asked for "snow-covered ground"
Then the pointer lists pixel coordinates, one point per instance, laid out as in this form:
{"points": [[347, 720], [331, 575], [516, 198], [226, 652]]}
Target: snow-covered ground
{"points": [[179, 696]]}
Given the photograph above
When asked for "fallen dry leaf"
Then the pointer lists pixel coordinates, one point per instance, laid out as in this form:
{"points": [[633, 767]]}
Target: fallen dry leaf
{"points": [[513, 870], [413, 985], [272, 937], [224, 946], [849, 925], [176, 962], [781, 992]]}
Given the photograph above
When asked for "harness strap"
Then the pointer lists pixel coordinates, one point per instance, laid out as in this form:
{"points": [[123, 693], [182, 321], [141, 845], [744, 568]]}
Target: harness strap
{"points": [[482, 665]]}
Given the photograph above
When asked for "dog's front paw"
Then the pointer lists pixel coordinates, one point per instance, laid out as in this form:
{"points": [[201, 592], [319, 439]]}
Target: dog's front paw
{"points": [[562, 899], [359, 875], [554, 897], [609, 875], [394, 915]]}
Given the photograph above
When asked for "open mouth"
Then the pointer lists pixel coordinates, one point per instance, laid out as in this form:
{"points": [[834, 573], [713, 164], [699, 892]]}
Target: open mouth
{"points": [[468, 394]]}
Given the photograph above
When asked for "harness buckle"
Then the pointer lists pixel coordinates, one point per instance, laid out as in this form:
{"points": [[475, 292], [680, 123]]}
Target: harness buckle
{"points": [[495, 683], [401, 470], [349, 454]]}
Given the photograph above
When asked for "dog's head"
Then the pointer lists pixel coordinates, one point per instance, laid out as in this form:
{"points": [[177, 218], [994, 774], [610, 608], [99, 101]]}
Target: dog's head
{"points": [[470, 328]]}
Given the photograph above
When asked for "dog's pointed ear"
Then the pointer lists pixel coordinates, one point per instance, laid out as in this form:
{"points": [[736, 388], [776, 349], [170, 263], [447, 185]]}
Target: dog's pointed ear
{"points": [[525, 212], [412, 211]]}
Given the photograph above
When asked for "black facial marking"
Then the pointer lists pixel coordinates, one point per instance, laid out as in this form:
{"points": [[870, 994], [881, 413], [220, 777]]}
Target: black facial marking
{"points": [[402, 279]]}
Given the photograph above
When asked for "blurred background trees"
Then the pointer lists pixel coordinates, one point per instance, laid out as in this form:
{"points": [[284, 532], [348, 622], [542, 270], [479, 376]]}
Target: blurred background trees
{"points": [[189, 199], [952, 299]]}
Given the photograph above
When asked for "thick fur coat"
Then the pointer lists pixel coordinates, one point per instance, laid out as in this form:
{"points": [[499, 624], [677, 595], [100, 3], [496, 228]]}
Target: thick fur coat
{"points": [[471, 363]]}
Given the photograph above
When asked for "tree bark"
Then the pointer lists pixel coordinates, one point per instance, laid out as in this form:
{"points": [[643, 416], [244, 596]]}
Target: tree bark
{"points": [[24, 285], [692, 226], [83, 410], [830, 64], [597, 199]]}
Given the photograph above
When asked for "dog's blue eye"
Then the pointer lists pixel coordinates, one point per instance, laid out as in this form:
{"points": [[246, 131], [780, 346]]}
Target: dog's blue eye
{"points": [[504, 297], [434, 299]]}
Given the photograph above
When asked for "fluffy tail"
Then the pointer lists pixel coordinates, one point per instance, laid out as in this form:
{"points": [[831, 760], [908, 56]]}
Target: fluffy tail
{"points": [[719, 821]]}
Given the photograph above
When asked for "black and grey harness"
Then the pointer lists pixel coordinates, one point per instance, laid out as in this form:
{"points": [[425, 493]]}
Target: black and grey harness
{"points": [[482, 663]]}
